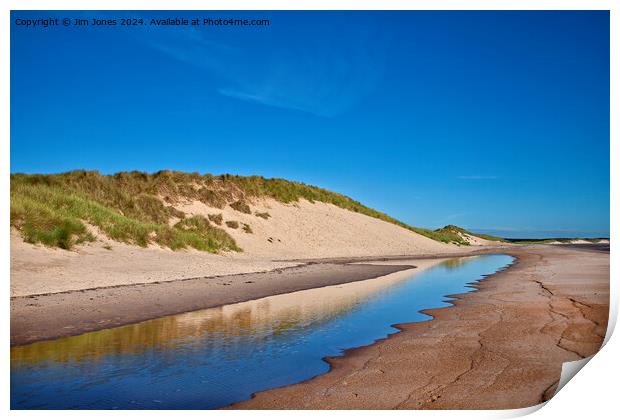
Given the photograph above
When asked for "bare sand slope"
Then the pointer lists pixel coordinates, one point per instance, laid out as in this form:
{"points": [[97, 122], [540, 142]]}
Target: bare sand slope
{"points": [[300, 230], [500, 347], [317, 230]]}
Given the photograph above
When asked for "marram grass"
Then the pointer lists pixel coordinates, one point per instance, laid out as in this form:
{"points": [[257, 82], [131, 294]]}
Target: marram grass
{"points": [[136, 207]]}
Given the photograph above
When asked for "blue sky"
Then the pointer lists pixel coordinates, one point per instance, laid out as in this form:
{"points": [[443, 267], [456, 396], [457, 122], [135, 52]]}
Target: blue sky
{"points": [[497, 121]]}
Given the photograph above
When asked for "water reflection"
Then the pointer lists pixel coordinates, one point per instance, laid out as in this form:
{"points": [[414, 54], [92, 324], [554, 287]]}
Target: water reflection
{"points": [[270, 316], [213, 357], [455, 263]]}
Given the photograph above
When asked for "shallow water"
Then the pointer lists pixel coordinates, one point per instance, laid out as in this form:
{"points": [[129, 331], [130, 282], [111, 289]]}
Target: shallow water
{"points": [[214, 357]]}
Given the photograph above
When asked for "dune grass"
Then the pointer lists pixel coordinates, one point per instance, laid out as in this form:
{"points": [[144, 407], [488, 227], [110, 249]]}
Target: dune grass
{"points": [[47, 210], [241, 206], [233, 224], [453, 234], [264, 215], [216, 218], [136, 207]]}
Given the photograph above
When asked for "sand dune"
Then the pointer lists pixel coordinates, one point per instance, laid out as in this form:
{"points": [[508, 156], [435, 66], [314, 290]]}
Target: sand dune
{"points": [[317, 230], [300, 230]]}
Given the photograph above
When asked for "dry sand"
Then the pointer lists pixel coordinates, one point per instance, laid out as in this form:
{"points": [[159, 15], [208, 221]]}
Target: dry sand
{"points": [[498, 348], [300, 230], [36, 269], [317, 230]]}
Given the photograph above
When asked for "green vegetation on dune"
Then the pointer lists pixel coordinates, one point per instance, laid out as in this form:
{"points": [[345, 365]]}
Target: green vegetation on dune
{"points": [[263, 215], [216, 218], [54, 210], [137, 208], [455, 233], [489, 237]]}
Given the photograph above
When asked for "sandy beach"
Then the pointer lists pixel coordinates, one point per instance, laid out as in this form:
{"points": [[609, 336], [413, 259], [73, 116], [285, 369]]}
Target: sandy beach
{"points": [[44, 316], [500, 347]]}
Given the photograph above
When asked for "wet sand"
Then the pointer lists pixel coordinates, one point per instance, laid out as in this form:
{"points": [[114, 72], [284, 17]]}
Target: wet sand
{"points": [[498, 348]]}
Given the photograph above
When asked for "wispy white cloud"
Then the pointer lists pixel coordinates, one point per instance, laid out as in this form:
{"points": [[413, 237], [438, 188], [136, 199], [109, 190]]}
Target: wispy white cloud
{"points": [[478, 177], [263, 98], [314, 77]]}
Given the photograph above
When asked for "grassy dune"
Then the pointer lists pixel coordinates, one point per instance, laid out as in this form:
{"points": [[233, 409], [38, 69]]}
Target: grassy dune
{"points": [[456, 232], [53, 210], [137, 208]]}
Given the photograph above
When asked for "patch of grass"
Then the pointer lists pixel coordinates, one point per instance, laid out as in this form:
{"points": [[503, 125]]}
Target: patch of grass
{"points": [[232, 224], [216, 218], [55, 232], [453, 234], [241, 206], [467, 232], [489, 237], [217, 238], [247, 228], [176, 213], [46, 211], [263, 215]]}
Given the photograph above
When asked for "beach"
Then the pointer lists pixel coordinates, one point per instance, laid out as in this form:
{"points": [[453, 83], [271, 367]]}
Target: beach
{"points": [[500, 347], [45, 316]]}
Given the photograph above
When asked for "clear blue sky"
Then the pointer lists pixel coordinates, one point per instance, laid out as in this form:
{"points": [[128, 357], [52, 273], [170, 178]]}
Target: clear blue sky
{"points": [[489, 120]]}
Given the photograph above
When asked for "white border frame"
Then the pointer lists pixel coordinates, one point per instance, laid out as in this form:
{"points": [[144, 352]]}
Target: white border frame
{"points": [[591, 395]]}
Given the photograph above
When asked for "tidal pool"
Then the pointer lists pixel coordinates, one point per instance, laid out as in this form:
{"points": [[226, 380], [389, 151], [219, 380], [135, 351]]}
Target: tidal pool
{"points": [[218, 356]]}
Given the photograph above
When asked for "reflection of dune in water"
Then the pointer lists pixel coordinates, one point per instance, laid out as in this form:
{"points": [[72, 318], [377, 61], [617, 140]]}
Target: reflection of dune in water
{"points": [[221, 327], [454, 263]]}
